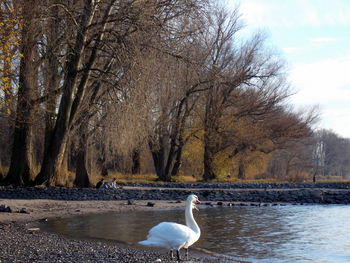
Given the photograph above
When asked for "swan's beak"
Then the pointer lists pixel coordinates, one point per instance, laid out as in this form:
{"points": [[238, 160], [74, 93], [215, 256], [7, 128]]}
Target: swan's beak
{"points": [[194, 205]]}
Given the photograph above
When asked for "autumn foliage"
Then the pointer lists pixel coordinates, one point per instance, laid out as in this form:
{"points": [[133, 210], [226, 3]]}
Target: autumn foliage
{"points": [[91, 88]]}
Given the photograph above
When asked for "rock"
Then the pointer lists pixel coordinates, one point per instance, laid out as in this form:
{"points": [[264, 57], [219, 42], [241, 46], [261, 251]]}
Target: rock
{"points": [[33, 229], [5, 209], [23, 211], [151, 204], [292, 193], [131, 201], [219, 203]]}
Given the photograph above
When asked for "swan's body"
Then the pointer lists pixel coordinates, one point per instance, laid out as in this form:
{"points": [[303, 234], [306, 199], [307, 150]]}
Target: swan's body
{"points": [[175, 236]]}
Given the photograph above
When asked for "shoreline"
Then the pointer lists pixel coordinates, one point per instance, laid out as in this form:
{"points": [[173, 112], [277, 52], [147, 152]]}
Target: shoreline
{"points": [[21, 241], [46, 208], [20, 244]]}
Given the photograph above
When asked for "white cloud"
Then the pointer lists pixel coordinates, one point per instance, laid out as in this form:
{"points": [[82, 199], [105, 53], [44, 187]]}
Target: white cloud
{"points": [[295, 13], [322, 82], [325, 83], [290, 49], [337, 120], [325, 39]]}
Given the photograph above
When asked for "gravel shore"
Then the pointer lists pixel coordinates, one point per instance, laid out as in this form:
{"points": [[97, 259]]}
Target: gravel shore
{"points": [[19, 244]]}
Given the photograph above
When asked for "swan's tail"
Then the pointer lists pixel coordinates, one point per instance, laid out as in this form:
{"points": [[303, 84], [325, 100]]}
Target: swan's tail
{"points": [[150, 243]]}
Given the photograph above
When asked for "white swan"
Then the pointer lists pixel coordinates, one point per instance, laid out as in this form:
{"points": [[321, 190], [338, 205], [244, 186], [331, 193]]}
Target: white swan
{"points": [[175, 236]]}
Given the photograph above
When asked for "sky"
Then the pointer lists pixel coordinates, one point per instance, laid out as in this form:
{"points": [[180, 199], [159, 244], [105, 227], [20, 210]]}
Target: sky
{"points": [[313, 36]]}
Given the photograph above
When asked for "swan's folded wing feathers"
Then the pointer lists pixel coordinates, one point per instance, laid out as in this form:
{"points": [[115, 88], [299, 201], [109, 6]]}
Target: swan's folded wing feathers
{"points": [[169, 235], [171, 230]]}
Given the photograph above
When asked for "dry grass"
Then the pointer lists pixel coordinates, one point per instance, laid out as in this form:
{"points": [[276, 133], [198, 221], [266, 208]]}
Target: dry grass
{"points": [[127, 178], [185, 179], [3, 170], [333, 179], [152, 178]]}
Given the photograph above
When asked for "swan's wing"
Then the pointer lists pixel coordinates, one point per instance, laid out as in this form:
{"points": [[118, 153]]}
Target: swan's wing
{"points": [[170, 230], [168, 235]]}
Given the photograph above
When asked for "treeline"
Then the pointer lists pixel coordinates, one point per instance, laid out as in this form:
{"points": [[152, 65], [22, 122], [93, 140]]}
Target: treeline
{"points": [[325, 155], [135, 86]]}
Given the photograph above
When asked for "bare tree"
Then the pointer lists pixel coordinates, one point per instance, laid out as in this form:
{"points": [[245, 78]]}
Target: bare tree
{"points": [[249, 91], [330, 154], [20, 171], [81, 60], [10, 36]]}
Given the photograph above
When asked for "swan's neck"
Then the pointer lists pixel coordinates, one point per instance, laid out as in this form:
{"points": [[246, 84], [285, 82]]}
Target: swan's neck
{"points": [[190, 222]]}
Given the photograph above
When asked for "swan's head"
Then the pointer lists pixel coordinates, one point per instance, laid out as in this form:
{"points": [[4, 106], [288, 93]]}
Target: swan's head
{"points": [[193, 199]]}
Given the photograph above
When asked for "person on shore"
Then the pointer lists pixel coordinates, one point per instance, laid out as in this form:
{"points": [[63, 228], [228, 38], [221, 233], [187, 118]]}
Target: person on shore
{"points": [[100, 183], [113, 184], [110, 185]]}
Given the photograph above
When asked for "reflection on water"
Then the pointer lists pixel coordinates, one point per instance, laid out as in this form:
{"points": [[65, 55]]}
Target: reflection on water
{"points": [[254, 234]]}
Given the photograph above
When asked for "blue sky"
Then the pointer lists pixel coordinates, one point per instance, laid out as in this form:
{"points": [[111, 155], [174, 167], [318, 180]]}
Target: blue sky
{"points": [[313, 36]]}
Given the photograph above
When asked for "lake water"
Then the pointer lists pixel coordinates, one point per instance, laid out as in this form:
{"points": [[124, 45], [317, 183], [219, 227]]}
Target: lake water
{"points": [[312, 233]]}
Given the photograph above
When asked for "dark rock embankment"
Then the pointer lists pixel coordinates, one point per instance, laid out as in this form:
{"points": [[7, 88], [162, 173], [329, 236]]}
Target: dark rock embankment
{"points": [[261, 193], [329, 185]]}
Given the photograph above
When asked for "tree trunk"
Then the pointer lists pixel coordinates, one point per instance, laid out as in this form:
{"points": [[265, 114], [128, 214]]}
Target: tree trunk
{"points": [[20, 172], [52, 77], [241, 171], [158, 159], [208, 164], [177, 163], [181, 143], [102, 163], [158, 155], [10, 106], [172, 161], [81, 173], [51, 173], [136, 162], [209, 127]]}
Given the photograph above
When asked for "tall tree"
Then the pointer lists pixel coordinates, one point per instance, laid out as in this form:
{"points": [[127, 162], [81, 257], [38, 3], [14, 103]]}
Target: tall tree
{"points": [[51, 70], [248, 89], [74, 89], [10, 37], [20, 171]]}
